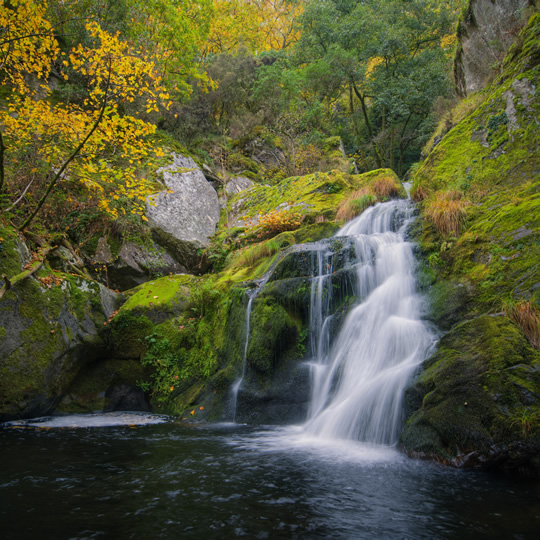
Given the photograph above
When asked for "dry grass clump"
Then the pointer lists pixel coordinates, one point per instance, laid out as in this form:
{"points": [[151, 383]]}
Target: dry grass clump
{"points": [[527, 316], [355, 204], [447, 211], [385, 187], [278, 221], [419, 193]]}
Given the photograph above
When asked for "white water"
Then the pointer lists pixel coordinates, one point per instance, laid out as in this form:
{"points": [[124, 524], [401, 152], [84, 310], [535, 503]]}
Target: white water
{"points": [[90, 420], [358, 385], [238, 383]]}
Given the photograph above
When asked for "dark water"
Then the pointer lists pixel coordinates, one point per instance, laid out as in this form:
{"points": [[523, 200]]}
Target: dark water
{"points": [[177, 481]]}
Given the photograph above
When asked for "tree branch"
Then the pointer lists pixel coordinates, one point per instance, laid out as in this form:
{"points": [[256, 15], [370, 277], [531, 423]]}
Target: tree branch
{"points": [[71, 157], [32, 268]]}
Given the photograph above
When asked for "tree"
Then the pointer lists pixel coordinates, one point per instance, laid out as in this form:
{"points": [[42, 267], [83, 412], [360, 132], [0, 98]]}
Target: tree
{"points": [[73, 144], [384, 59], [259, 25]]}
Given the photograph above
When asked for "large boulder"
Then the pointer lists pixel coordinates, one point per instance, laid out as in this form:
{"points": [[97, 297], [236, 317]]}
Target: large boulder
{"points": [[184, 216], [486, 32], [476, 402], [49, 330]]}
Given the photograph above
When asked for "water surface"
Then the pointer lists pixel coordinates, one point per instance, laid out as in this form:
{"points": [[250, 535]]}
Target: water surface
{"points": [[219, 481]]}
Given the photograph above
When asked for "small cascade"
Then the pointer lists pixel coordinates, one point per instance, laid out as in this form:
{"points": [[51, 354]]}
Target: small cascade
{"points": [[238, 383], [320, 300], [358, 384]]}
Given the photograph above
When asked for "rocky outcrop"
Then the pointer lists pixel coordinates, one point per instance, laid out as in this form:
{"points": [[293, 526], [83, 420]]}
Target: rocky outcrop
{"points": [[135, 264], [276, 386], [49, 330], [488, 29], [476, 402], [184, 216]]}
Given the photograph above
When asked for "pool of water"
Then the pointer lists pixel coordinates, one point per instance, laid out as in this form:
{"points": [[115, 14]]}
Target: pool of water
{"points": [[149, 480]]}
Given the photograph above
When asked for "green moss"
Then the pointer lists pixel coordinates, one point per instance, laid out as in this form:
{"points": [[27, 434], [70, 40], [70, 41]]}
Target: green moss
{"points": [[483, 374], [274, 332], [11, 261]]}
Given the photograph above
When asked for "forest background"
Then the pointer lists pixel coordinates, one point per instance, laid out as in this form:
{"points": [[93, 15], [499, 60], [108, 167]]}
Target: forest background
{"points": [[94, 93]]}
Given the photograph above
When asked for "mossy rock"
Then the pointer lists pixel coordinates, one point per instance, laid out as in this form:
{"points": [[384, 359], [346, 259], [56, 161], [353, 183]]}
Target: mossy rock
{"points": [[50, 331], [491, 157], [477, 401], [106, 386]]}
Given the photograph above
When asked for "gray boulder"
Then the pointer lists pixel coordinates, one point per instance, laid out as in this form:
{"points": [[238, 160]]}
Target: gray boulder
{"points": [[486, 32], [237, 184], [135, 264], [184, 216]]}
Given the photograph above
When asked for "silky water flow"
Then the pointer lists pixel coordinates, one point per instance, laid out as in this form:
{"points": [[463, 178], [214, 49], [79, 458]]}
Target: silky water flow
{"points": [[358, 382]]}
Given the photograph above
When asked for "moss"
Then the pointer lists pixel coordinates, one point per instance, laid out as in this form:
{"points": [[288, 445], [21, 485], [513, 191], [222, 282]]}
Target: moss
{"points": [[160, 298], [274, 333], [482, 375], [11, 252], [125, 334], [312, 195]]}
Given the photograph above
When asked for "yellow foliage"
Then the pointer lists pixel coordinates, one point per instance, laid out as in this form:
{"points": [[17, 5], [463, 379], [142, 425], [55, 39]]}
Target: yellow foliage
{"points": [[260, 25], [113, 72], [278, 221]]}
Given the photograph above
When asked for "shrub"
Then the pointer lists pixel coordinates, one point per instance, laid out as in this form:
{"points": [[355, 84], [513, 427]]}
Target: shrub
{"points": [[447, 211], [527, 316], [278, 221]]}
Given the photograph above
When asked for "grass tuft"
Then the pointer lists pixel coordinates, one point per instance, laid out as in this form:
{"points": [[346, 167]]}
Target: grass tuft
{"points": [[355, 204], [527, 316], [447, 211], [385, 187]]}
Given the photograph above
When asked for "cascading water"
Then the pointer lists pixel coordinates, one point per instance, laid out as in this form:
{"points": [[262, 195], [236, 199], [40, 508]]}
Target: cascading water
{"points": [[236, 386], [358, 385]]}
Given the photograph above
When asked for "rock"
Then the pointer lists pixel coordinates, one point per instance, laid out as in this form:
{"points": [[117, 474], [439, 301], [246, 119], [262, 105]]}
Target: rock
{"points": [[137, 264], [237, 184], [486, 33], [47, 334], [476, 403], [185, 215], [103, 252]]}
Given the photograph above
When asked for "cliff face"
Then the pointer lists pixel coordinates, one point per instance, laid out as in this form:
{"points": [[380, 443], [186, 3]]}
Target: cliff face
{"points": [[488, 29], [476, 402]]}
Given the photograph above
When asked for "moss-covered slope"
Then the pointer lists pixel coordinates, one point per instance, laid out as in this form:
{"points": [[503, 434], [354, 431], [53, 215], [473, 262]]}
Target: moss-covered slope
{"points": [[480, 243]]}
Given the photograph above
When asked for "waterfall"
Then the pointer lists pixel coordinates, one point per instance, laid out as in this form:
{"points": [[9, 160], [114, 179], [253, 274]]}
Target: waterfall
{"points": [[238, 383], [359, 382]]}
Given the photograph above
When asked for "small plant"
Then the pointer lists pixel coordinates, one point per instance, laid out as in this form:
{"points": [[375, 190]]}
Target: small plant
{"points": [[385, 187], [526, 421], [166, 366], [447, 211], [527, 316], [278, 221], [355, 204]]}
